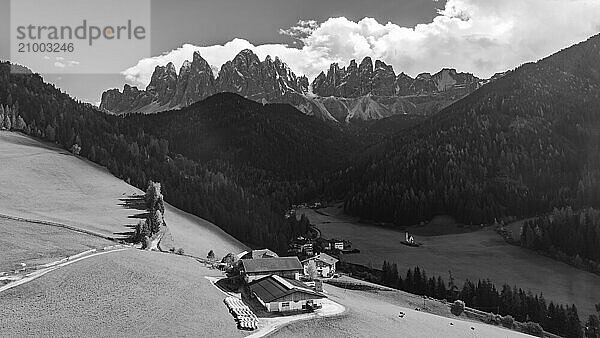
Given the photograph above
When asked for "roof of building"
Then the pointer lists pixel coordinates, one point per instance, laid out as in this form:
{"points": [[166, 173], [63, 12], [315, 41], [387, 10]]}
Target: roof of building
{"points": [[272, 264], [274, 287], [262, 253], [324, 258]]}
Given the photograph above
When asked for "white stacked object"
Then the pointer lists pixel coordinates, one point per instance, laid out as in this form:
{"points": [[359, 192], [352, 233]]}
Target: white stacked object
{"points": [[246, 319]]}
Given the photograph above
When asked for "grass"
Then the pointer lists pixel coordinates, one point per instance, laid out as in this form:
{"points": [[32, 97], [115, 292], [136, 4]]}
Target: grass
{"points": [[42, 182], [377, 314], [36, 244], [475, 255], [137, 293]]}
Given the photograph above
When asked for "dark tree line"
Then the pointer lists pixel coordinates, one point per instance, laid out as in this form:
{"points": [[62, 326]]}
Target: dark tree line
{"points": [[566, 234], [154, 201], [484, 295]]}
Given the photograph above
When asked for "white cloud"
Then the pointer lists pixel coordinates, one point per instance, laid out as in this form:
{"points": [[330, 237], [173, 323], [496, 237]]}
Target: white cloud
{"points": [[479, 36], [59, 65]]}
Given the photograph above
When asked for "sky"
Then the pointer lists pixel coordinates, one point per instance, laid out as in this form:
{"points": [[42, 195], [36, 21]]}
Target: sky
{"points": [[478, 36]]}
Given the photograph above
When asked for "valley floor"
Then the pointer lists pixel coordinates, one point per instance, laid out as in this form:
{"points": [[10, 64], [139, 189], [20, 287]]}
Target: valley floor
{"points": [[481, 254]]}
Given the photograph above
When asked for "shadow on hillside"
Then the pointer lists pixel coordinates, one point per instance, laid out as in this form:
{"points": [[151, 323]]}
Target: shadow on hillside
{"points": [[135, 203], [126, 235], [142, 215]]}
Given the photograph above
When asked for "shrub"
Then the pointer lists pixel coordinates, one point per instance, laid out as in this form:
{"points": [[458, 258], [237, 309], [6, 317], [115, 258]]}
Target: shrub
{"points": [[145, 242], [229, 259], [142, 230], [493, 319], [533, 329], [457, 307], [508, 321]]}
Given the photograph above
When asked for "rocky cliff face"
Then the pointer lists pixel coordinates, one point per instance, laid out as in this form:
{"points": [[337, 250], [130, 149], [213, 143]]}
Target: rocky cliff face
{"points": [[362, 91], [381, 80], [194, 83], [166, 90]]}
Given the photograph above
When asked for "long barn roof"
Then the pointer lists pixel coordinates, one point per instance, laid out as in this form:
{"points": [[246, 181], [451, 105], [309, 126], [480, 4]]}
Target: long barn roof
{"points": [[274, 287], [272, 264]]}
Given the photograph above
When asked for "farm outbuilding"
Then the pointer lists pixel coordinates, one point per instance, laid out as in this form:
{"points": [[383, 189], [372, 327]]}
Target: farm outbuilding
{"points": [[288, 267], [278, 294]]}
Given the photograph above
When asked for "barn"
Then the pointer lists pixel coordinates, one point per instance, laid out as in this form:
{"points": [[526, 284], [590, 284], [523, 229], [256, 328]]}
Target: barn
{"points": [[288, 267], [278, 294]]}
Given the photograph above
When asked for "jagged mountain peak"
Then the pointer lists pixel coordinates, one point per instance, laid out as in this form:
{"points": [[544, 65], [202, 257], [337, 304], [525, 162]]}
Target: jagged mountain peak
{"points": [[245, 57], [271, 80], [366, 64]]}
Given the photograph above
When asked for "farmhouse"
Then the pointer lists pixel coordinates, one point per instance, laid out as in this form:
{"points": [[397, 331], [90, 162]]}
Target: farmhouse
{"points": [[278, 294], [325, 264], [288, 267]]}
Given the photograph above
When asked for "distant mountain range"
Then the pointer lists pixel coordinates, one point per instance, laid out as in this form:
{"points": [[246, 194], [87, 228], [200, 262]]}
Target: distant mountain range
{"points": [[356, 92]]}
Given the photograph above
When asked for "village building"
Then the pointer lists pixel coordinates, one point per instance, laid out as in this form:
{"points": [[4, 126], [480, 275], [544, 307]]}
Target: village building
{"points": [[336, 244], [302, 245], [288, 267], [278, 294], [325, 265]]}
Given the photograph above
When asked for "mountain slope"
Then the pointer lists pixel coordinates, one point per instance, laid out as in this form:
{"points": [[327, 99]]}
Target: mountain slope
{"points": [[518, 146], [243, 201], [274, 137]]}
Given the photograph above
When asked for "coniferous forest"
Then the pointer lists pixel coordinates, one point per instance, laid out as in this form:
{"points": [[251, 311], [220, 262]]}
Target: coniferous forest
{"points": [[519, 304], [571, 236], [520, 146]]}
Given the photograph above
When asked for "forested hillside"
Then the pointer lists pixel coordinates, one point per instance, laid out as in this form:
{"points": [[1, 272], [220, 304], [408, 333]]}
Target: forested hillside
{"points": [[276, 138], [519, 146], [271, 150], [137, 156], [571, 236]]}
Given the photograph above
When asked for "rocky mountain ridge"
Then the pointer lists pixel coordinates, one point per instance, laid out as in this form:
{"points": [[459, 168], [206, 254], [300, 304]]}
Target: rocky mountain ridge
{"points": [[358, 92]]}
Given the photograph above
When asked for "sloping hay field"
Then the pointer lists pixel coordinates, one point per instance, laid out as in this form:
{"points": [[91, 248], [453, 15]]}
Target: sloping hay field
{"points": [[39, 181], [137, 293], [36, 244]]}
